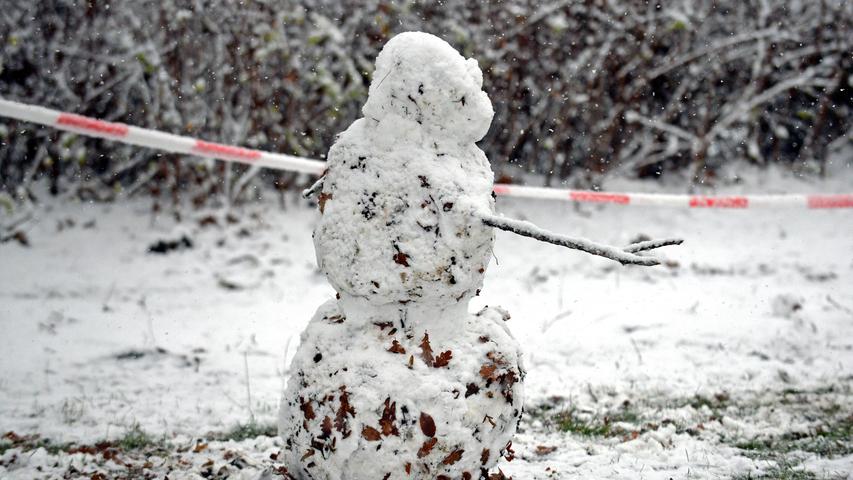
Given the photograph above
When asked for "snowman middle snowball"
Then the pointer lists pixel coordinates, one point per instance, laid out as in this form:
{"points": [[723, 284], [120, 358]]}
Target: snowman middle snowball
{"points": [[395, 379], [403, 181]]}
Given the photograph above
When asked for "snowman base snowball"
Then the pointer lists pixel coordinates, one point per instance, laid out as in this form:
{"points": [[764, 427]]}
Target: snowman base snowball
{"points": [[385, 394]]}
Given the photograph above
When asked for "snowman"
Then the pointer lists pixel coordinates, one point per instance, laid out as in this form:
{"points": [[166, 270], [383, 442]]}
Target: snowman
{"points": [[394, 378]]}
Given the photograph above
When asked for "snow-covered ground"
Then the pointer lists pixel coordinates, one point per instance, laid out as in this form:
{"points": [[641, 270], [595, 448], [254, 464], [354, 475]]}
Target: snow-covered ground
{"points": [[735, 358]]}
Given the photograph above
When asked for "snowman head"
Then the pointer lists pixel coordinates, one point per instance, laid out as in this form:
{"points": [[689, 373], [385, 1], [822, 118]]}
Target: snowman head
{"points": [[421, 78]]}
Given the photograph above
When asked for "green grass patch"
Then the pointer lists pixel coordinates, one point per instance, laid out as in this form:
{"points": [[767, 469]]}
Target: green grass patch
{"points": [[783, 470], [571, 422], [719, 401], [825, 431], [246, 432], [11, 440], [135, 439], [611, 424], [832, 439]]}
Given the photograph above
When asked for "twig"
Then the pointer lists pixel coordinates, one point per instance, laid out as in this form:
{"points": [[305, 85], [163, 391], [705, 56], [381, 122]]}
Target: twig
{"points": [[22, 219], [591, 393], [625, 257], [243, 181], [637, 350], [838, 305], [248, 386], [314, 188], [105, 307], [634, 117], [703, 52], [286, 371], [652, 244]]}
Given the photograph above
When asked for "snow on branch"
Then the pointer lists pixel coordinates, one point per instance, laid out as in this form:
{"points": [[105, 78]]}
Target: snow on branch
{"points": [[652, 244], [625, 256], [635, 117], [721, 45], [801, 80], [314, 188]]}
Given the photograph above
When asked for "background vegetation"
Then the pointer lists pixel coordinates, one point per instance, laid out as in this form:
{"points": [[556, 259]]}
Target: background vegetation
{"points": [[581, 89]]}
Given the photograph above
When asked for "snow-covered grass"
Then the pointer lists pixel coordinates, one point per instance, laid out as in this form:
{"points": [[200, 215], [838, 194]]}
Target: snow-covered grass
{"points": [[733, 359]]}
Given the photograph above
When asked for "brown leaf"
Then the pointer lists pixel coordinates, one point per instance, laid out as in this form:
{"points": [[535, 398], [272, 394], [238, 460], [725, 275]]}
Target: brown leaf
{"points": [[466, 476], [199, 447], [507, 380], [408, 468], [207, 221], [443, 359], [307, 409], [543, 450], [371, 434], [389, 418], [509, 453], [14, 437], [499, 476], [321, 200], [397, 348], [401, 258], [426, 350], [341, 415], [427, 447], [484, 457], [496, 358], [326, 428], [308, 453], [471, 389], [488, 418], [427, 424], [281, 471], [487, 371], [453, 457], [18, 236]]}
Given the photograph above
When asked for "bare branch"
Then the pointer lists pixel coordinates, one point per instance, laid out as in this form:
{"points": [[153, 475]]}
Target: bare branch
{"points": [[313, 189], [243, 181], [652, 244], [625, 257], [635, 117], [742, 108], [722, 45]]}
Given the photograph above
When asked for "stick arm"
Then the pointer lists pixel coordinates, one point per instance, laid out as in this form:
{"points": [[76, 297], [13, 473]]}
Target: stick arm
{"points": [[626, 256], [314, 188]]}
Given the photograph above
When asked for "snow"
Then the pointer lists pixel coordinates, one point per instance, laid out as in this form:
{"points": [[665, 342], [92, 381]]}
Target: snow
{"points": [[84, 309], [403, 183], [396, 401], [421, 78], [401, 240]]}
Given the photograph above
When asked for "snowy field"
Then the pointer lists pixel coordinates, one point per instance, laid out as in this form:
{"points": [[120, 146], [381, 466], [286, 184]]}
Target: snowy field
{"points": [[732, 360]]}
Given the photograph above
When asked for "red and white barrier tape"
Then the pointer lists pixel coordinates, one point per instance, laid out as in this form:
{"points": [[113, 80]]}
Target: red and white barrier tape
{"points": [[144, 137], [178, 144], [689, 201]]}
